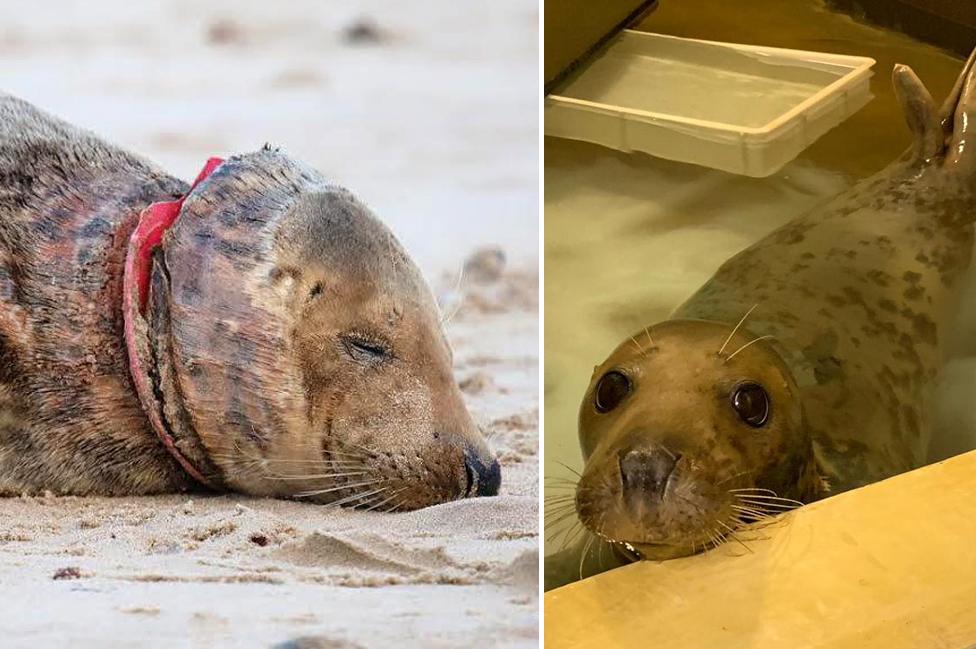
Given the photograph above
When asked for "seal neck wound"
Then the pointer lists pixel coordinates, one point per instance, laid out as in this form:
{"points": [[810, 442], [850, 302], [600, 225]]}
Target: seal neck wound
{"points": [[154, 221]]}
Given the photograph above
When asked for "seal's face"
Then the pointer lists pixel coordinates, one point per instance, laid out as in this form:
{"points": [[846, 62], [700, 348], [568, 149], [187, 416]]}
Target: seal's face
{"points": [[312, 362], [682, 444]]}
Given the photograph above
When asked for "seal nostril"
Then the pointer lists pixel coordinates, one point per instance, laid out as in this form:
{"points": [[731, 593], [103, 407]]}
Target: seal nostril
{"points": [[647, 471], [483, 479]]}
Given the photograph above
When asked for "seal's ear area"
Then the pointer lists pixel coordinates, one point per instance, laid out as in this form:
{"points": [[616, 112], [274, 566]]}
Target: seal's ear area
{"points": [[919, 110]]}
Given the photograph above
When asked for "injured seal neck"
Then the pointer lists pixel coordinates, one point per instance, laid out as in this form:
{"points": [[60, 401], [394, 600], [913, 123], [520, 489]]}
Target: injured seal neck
{"points": [[147, 337]]}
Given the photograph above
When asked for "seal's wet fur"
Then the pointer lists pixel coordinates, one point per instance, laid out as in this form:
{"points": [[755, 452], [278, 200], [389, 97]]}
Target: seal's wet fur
{"points": [[297, 349], [847, 309]]}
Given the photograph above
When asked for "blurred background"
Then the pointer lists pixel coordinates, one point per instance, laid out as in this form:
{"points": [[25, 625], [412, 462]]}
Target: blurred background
{"points": [[430, 121]]}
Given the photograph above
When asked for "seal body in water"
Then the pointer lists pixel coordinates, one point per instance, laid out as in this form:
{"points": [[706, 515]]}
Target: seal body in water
{"points": [[275, 339], [805, 366]]}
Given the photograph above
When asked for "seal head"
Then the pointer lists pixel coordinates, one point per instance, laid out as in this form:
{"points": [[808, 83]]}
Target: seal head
{"points": [[688, 430], [300, 351]]}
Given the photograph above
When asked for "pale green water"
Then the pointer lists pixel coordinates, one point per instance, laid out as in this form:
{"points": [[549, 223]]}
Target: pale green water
{"points": [[629, 237]]}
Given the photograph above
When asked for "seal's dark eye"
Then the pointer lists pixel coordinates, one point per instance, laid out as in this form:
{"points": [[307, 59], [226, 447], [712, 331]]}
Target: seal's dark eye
{"points": [[751, 403], [611, 390]]}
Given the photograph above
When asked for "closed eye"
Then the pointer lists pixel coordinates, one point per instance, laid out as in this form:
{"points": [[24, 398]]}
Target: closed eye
{"points": [[366, 349]]}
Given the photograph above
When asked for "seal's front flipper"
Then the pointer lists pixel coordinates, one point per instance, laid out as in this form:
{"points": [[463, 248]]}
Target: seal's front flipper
{"points": [[960, 108], [919, 110], [947, 112]]}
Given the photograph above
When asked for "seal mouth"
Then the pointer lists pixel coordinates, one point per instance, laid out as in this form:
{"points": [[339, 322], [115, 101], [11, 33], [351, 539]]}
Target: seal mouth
{"points": [[398, 479]]}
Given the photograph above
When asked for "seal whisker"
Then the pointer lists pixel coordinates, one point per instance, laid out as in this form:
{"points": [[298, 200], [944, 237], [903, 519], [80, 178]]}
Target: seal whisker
{"points": [[569, 468], [377, 499], [771, 499], [770, 495], [560, 479], [319, 492], [558, 514], [736, 328], [553, 510], [586, 549], [370, 498], [355, 497], [386, 500], [560, 532], [714, 538], [773, 509], [569, 539], [561, 484], [751, 511], [369, 452], [748, 344], [329, 461], [771, 503], [560, 507], [734, 536], [553, 522], [570, 496], [733, 477], [554, 505], [564, 534], [650, 341], [637, 345], [355, 456], [459, 291], [317, 476]]}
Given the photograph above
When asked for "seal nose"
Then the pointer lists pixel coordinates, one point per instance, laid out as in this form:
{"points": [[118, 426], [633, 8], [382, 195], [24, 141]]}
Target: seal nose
{"points": [[645, 472], [484, 479]]}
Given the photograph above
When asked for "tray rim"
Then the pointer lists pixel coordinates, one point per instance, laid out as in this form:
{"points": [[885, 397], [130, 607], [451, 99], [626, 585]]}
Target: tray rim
{"points": [[860, 68]]}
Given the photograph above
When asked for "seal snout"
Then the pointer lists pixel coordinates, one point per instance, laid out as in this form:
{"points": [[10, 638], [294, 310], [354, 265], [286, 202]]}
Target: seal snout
{"points": [[484, 478], [646, 473]]}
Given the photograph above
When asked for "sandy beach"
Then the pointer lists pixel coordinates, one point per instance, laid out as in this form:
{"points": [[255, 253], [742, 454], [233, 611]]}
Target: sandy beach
{"points": [[205, 571], [427, 111]]}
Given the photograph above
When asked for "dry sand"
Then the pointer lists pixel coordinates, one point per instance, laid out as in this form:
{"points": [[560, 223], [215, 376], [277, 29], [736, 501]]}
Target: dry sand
{"points": [[428, 111]]}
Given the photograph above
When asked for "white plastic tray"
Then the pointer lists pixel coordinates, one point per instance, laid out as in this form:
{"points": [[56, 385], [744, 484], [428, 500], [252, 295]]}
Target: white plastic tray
{"points": [[741, 108]]}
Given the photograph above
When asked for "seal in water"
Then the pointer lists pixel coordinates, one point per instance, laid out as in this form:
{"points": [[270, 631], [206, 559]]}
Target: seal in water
{"points": [[260, 332], [804, 366]]}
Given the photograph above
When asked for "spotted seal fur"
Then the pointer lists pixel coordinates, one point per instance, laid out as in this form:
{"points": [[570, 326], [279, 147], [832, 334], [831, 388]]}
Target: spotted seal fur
{"points": [[804, 367]]}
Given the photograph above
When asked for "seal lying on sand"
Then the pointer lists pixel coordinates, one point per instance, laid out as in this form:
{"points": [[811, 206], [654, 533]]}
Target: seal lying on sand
{"points": [[805, 366], [261, 332]]}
